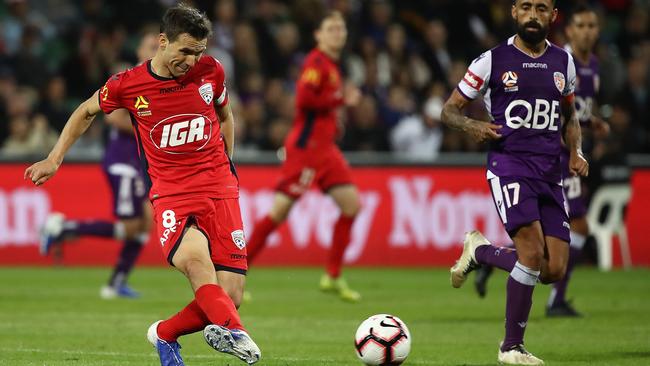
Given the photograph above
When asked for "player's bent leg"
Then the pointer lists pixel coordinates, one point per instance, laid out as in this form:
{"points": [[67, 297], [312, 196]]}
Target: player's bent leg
{"points": [[233, 283], [57, 229], [193, 259], [168, 352], [282, 204], [558, 305], [556, 258], [225, 333], [347, 199]]}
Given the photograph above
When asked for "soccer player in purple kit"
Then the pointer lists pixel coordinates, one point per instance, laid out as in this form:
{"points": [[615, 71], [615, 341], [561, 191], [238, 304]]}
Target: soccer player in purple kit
{"points": [[121, 165], [582, 32], [526, 84]]}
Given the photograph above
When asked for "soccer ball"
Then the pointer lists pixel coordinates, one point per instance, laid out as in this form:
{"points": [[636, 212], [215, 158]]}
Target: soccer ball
{"points": [[382, 339]]}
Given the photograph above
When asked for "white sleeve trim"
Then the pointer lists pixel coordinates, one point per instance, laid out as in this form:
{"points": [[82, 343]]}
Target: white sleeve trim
{"points": [[475, 81], [570, 87], [222, 97]]}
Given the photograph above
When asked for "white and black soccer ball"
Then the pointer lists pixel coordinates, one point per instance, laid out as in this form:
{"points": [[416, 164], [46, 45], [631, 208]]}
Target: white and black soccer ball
{"points": [[382, 339]]}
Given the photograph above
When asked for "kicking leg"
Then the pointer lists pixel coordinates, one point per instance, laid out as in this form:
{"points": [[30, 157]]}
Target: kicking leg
{"points": [[57, 229], [225, 332]]}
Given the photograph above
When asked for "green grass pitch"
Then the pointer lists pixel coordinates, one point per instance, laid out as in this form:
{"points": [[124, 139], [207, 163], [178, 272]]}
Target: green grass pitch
{"points": [[54, 317]]}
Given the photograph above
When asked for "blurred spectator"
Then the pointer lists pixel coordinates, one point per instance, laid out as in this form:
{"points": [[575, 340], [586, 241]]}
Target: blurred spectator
{"points": [[398, 104], [635, 97], [436, 54], [398, 53], [222, 43], [419, 136], [19, 17], [380, 14], [53, 103], [365, 132], [26, 61], [29, 136]]}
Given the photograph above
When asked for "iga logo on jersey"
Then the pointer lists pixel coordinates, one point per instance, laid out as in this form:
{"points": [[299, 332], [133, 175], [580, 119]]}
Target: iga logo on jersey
{"points": [[182, 133]]}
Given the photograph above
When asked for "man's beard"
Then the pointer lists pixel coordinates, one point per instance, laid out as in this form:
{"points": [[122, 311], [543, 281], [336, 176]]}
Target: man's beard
{"points": [[532, 37]]}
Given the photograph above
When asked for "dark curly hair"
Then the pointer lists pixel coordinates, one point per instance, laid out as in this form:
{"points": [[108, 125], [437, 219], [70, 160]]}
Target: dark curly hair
{"points": [[185, 19]]}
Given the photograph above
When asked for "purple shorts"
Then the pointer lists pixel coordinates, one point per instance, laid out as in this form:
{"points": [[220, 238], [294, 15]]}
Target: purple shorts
{"points": [[124, 173], [129, 190], [521, 200], [573, 189]]}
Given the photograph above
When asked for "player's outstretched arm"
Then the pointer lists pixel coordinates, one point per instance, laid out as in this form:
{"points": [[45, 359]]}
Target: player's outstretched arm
{"points": [[453, 117], [227, 121], [573, 137], [77, 124]]}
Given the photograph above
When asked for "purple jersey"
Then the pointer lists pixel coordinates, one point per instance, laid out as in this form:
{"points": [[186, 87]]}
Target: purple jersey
{"points": [[587, 85], [121, 147], [123, 170], [523, 94]]}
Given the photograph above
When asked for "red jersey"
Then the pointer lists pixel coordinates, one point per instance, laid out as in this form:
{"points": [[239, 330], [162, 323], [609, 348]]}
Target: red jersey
{"points": [[177, 128], [318, 94]]}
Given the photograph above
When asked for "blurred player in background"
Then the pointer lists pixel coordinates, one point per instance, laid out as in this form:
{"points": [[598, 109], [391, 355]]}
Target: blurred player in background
{"points": [[526, 83], [582, 31], [133, 211], [312, 155], [185, 132]]}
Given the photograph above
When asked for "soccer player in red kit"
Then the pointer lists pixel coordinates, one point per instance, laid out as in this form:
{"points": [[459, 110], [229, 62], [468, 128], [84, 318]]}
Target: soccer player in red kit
{"points": [[185, 131], [311, 152]]}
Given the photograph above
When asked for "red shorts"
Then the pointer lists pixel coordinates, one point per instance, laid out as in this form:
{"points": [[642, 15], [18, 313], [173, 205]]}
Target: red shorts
{"points": [[218, 219], [325, 167]]}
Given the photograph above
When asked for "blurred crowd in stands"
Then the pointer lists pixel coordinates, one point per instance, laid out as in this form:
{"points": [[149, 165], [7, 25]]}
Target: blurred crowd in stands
{"points": [[405, 55]]}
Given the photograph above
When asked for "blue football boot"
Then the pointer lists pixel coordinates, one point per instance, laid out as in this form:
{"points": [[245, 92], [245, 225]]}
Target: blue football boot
{"points": [[232, 341], [169, 352]]}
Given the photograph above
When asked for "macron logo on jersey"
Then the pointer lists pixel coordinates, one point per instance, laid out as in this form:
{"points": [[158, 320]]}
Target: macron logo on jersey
{"points": [[473, 80], [182, 133]]}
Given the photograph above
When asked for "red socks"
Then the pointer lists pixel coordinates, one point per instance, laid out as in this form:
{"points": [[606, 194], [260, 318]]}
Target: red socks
{"points": [[211, 306], [262, 230], [189, 320], [340, 241], [218, 306]]}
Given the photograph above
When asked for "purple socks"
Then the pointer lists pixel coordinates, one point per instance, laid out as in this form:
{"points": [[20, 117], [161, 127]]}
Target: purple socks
{"points": [[100, 228], [519, 299], [500, 257], [128, 256]]}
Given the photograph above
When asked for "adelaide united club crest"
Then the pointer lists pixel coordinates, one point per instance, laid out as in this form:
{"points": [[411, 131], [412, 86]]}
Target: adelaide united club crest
{"points": [[206, 92]]}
